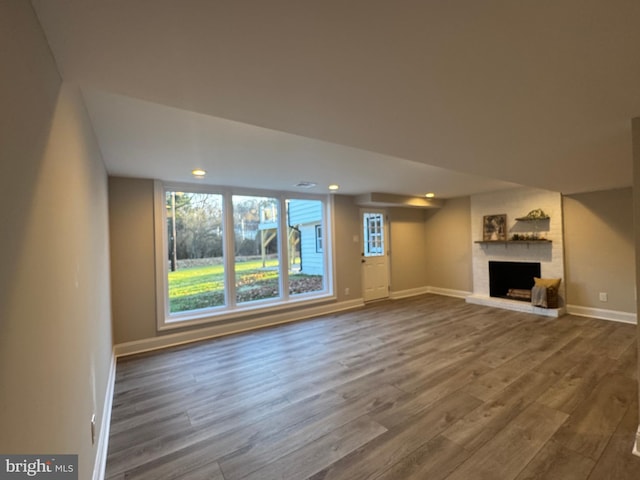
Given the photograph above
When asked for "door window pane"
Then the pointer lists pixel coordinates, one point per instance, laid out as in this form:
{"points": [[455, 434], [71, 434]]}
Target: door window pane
{"points": [[373, 234]]}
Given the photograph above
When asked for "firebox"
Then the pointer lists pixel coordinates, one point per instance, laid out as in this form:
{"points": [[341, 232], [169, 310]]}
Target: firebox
{"points": [[512, 280]]}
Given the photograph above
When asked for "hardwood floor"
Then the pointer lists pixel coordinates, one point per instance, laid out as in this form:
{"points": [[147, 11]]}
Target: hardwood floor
{"points": [[423, 388]]}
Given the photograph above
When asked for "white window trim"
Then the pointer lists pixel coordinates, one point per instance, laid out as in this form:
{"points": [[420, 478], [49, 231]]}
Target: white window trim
{"points": [[164, 321]]}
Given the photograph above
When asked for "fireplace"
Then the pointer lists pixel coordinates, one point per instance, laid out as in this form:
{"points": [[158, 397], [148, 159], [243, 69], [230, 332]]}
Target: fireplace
{"points": [[490, 289], [512, 280]]}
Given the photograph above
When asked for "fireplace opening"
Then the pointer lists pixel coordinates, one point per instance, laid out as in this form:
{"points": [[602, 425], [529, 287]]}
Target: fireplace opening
{"points": [[512, 280]]}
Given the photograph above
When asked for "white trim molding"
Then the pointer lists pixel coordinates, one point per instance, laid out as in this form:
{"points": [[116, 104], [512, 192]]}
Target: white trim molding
{"points": [[414, 292], [602, 314], [102, 448], [170, 340], [448, 292]]}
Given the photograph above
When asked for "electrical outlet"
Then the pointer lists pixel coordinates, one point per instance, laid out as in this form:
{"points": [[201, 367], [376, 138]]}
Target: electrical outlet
{"points": [[346, 291], [604, 296], [93, 429]]}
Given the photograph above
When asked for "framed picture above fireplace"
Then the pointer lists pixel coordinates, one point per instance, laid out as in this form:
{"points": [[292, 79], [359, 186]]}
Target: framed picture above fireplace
{"points": [[494, 227]]}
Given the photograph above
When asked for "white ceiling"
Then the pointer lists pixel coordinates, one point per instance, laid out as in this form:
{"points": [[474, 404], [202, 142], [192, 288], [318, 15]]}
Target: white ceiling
{"points": [[143, 139], [371, 94]]}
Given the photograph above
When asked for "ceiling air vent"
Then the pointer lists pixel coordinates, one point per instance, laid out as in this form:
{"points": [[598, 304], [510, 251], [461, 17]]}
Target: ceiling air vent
{"points": [[305, 184]]}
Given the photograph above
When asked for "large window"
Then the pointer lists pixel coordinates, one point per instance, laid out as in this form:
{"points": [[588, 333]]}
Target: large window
{"points": [[224, 253]]}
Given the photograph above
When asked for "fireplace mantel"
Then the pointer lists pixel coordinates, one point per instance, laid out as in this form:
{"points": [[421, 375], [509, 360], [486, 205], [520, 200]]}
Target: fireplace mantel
{"points": [[506, 242]]}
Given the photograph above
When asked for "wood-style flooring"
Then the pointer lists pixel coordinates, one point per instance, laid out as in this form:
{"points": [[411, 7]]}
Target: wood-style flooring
{"points": [[423, 388]]}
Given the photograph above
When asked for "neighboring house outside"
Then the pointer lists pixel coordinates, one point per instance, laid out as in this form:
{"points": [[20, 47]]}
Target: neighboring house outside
{"points": [[306, 217]]}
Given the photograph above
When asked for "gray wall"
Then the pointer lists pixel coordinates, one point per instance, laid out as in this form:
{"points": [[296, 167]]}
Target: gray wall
{"points": [[599, 249], [133, 290], [347, 248], [55, 330], [448, 246], [408, 253]]}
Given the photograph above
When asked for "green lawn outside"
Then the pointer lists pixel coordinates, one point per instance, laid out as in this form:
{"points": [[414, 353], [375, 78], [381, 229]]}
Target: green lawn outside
{"points": [[203, 287]]}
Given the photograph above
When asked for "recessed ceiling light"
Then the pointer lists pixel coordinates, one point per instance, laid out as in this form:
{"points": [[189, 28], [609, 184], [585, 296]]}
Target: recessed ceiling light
{"points": [[198, 172], [333, 186], [430, 195], [305, 184]]}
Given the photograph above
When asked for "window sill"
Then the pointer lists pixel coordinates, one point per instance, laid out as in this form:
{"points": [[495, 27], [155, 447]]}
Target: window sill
{"points": [[210, 316]]}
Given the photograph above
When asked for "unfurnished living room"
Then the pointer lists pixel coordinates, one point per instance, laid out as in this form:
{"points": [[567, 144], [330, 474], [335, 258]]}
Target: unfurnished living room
{"points": [[319, 240]]}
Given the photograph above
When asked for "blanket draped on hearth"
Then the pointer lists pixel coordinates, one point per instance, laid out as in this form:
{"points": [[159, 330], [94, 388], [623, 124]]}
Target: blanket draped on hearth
{"points": [[539, 296]]}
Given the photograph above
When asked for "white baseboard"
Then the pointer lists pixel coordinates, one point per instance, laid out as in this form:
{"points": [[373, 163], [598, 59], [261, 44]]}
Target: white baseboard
{"points": [[173, 339], [612, 315], [448, 292], [636, 445], [100, 464], [411, 292]]}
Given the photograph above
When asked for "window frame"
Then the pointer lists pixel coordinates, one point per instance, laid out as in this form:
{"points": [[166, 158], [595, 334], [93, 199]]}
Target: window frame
{"points": [[233, 310]]}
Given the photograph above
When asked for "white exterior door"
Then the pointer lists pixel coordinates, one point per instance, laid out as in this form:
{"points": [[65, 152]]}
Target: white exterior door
{"points": [[375, 264]]}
